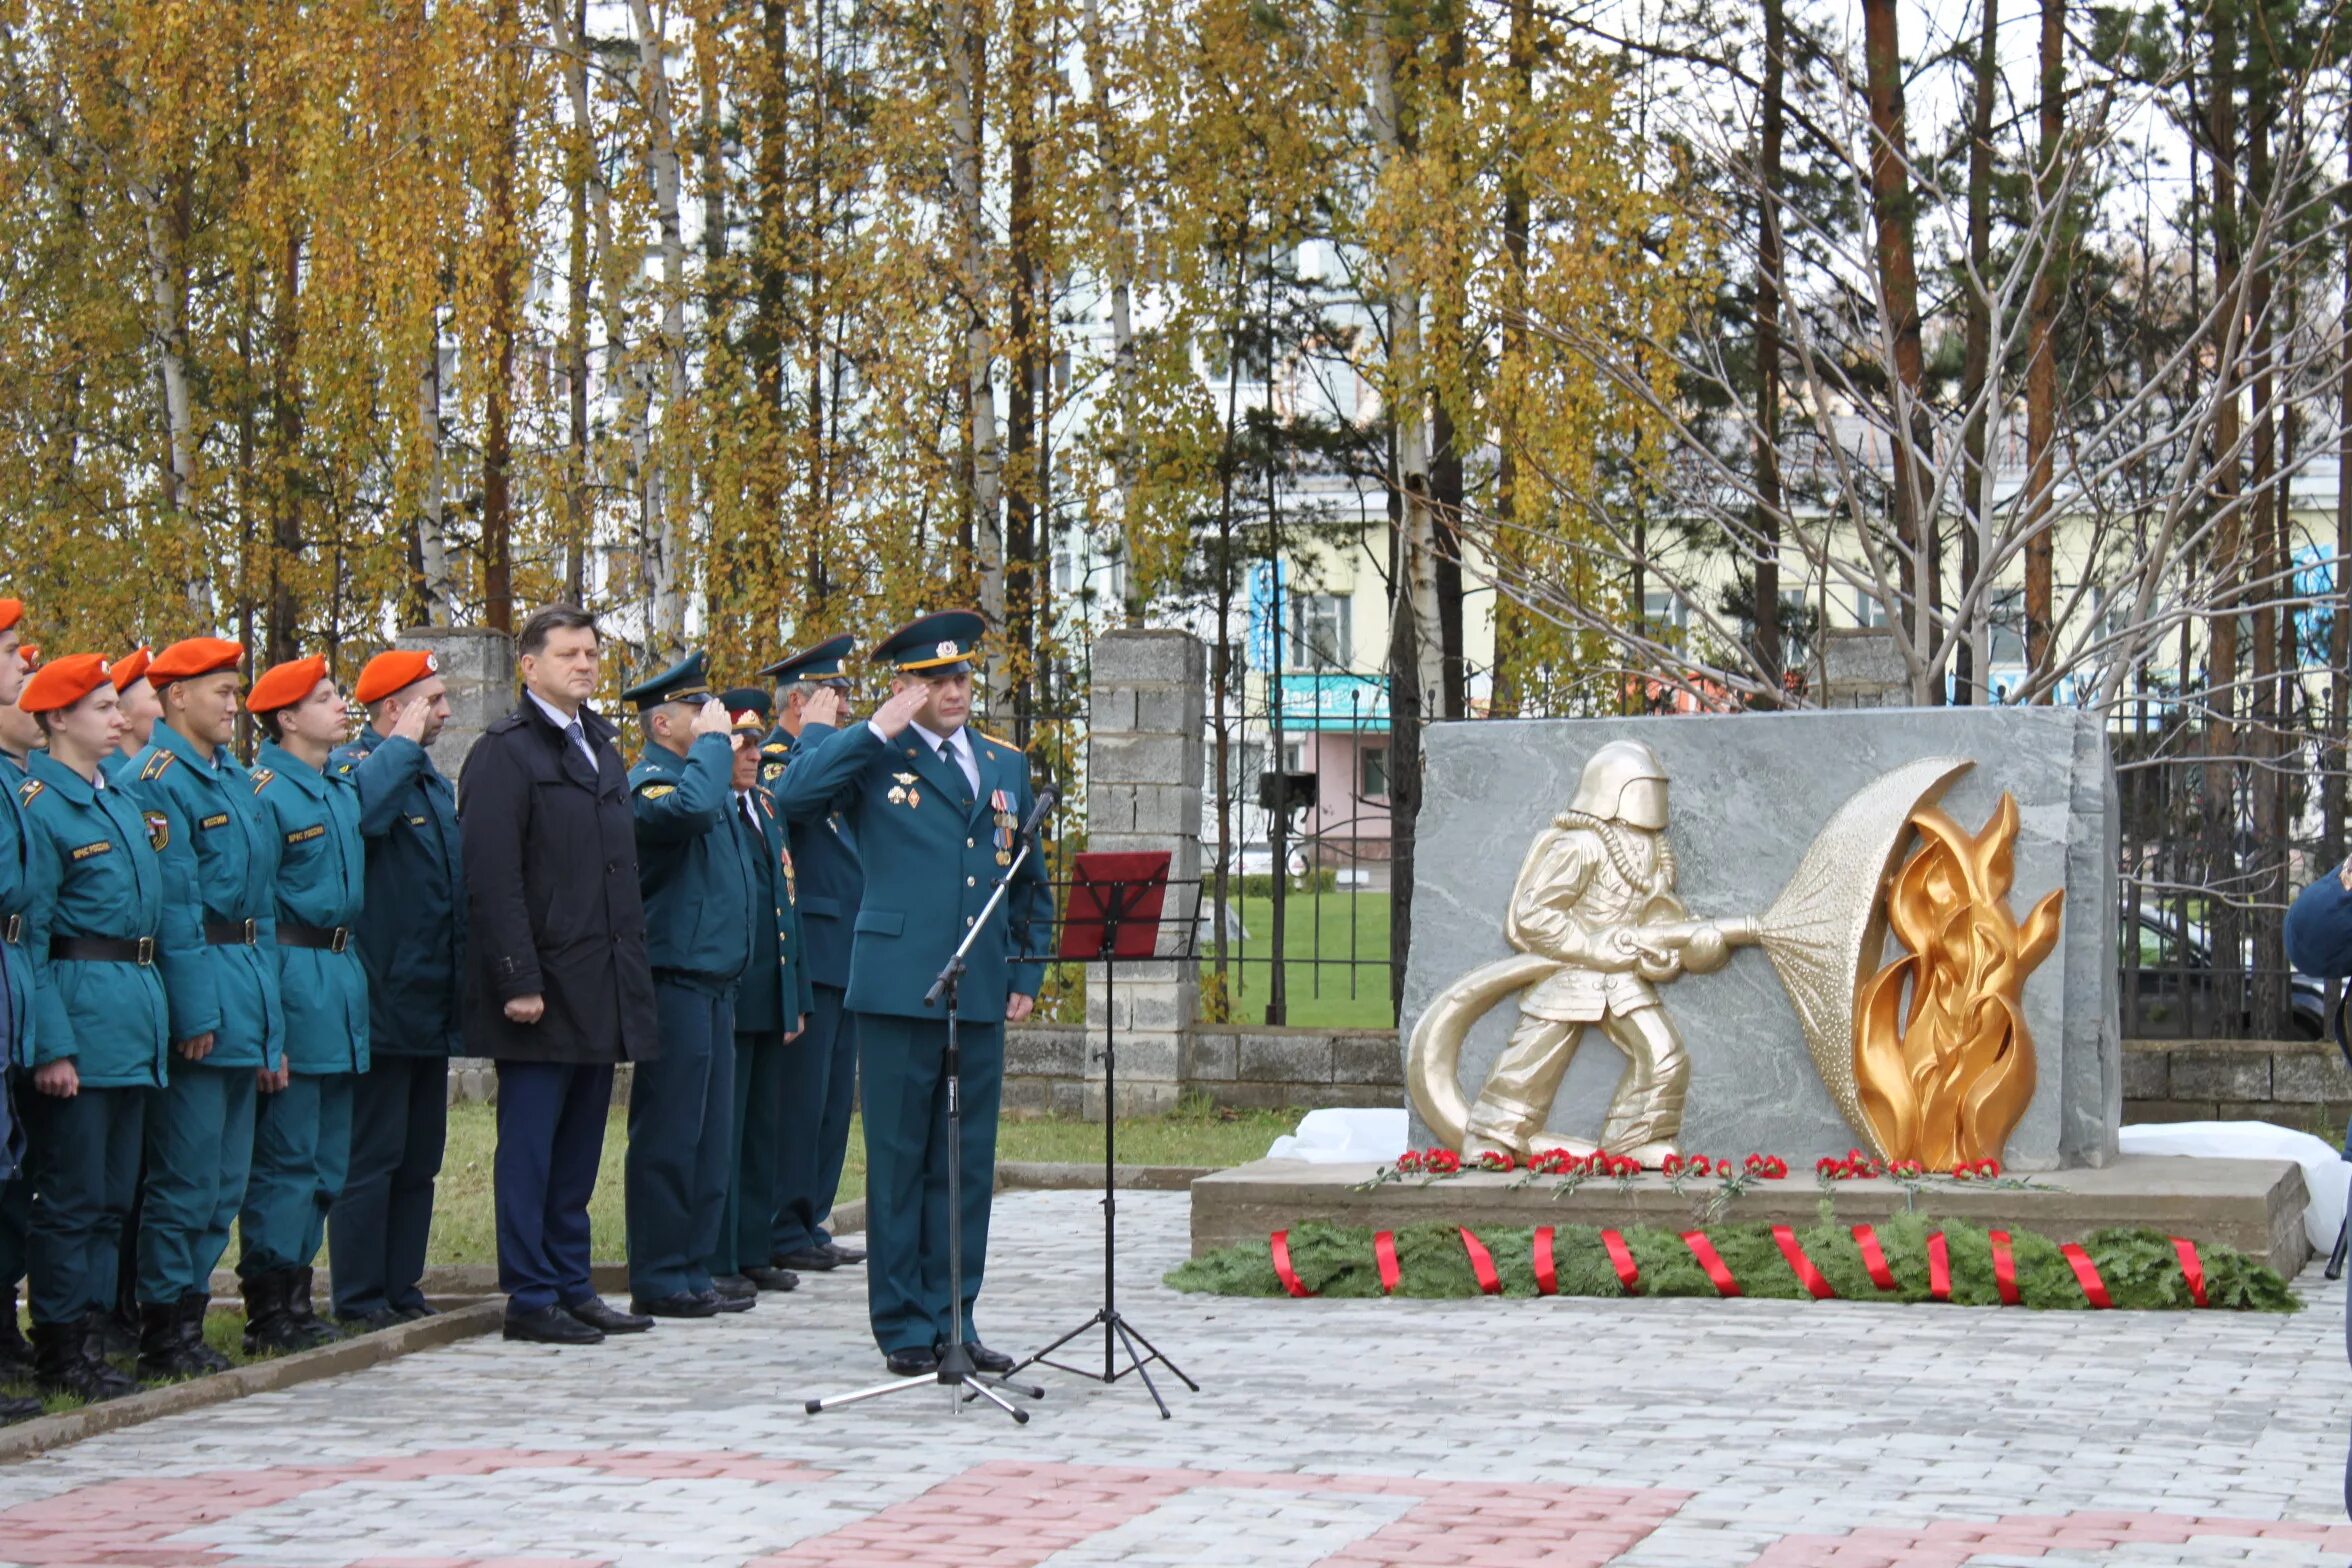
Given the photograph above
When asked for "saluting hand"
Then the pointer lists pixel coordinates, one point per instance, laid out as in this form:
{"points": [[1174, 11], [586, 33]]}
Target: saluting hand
{"points": [[712, 718], [891, 719], [408, 720], [824, 707]]}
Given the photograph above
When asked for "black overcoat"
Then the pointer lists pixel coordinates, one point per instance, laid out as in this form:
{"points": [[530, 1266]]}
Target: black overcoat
{"points": [[550, 856]]}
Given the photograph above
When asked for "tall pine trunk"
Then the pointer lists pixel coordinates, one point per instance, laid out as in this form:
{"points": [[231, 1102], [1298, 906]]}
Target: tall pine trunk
{"points": [[2041, 371], [1976, 490]]}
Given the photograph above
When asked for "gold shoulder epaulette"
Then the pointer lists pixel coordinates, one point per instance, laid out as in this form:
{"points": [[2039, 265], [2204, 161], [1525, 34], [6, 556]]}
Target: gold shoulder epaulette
{"points": [[998, 739], [27, 790], [156, 765], [262, 776], [656, 791]]}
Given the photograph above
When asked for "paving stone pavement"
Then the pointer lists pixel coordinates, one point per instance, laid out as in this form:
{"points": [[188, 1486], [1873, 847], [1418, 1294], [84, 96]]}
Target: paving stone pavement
{"points": [[1557, 1434]]}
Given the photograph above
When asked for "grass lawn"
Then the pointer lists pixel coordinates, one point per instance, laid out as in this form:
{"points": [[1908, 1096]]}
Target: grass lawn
{"points": [[1334, 926], [464, 1229]]}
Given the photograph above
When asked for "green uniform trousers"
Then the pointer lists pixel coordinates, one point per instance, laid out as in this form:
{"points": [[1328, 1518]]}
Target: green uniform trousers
{"points": [[85, 1160], [301, 1149], [674, 1178], [199, 1147], [745, 1227], [902, 1087]]}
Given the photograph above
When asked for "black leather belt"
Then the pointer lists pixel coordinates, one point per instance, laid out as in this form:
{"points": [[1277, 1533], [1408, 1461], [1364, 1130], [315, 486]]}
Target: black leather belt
{"points": [[231, 933], [103, 949], [329, 939]]}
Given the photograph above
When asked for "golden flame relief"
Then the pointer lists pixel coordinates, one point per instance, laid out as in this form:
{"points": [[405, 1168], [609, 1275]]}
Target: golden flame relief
{"points": [[1943, 1060]]}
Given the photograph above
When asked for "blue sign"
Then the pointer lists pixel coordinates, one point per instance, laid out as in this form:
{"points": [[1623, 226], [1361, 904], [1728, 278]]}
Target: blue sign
{"points": [[1346, 703], [2315, 621], [1267, 616]]}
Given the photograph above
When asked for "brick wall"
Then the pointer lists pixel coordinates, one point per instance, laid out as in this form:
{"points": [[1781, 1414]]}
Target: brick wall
{"points": [[2295, 1083], [1249, 1068]]}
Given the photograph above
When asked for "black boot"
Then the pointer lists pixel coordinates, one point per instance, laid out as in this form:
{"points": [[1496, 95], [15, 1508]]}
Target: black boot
{"points": [[163, 1348], [16, 1355], [120, 1334], [265, 1312], [63, 1363], [192, 1308], [95, 1338], [308, 1326], [13, 1409]]}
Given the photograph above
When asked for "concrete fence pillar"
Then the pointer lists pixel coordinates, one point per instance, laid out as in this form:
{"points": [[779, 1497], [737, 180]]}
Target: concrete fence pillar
{"points": [[479, 667], [1147, 723]]}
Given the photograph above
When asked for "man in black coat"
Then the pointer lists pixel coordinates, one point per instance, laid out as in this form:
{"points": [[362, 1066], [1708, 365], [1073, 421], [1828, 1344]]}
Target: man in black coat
{"points": [[558, 987]]}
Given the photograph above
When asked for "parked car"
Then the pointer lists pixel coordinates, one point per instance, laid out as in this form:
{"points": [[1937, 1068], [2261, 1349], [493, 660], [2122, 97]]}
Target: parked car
{"points": [[2176, 991]]}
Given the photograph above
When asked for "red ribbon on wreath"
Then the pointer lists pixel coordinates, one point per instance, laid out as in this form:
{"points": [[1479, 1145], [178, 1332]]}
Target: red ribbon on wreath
{"points": [[1621, 1259], [1384, 1253], [2192, 1268], [1711, 1263], [1874, 1258], [2086, 1274], [1481, 1263], [1279, 1243], [1547, 1278], [1785, 1238], [1939, 1268], [2004, 1267]]}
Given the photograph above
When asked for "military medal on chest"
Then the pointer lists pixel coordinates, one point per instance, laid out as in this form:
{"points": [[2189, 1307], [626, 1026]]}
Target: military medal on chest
{"points": [[791, 880], [998, 803], [903, 792]]}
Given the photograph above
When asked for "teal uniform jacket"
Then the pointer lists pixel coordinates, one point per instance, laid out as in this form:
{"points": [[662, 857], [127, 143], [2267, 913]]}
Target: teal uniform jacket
{"points": [[28, 875], [116, 766], [322, 881], [825, 858], [776, 991], [220, 863], [412, 938], [930, 851], [109, 1017], [698, 885]]}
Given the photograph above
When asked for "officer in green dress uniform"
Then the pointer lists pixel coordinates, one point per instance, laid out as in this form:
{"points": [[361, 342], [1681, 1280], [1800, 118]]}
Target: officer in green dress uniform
{"points": [[302, 1131], [820, 1084], [100, 1055], [21, 876], [219, 962], [935, 807], [412, 943], [698, 884], [771, 1012]]}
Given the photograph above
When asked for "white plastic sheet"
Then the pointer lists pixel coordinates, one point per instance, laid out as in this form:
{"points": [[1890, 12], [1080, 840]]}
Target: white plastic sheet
{"points": [[2325, 1172], [1340, 1137]]}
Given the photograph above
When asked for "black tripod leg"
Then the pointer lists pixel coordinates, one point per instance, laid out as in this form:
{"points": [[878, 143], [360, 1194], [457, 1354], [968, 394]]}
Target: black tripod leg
{"points": [[1047, 1352], [2335, 1263], [1137, 1336], [1142, 1371]]}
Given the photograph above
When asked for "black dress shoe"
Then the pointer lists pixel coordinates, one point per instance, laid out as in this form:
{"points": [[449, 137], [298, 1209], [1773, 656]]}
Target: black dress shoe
{"points": [[417, 1312], [597, 1314], [844, 1256], [919, 1362], [733, 1286], [813, 1259], [13, 1409], [772, 1279], [550, 1326], [739, 1303], [993, 1362], [371, 1322], [685, 1304]]}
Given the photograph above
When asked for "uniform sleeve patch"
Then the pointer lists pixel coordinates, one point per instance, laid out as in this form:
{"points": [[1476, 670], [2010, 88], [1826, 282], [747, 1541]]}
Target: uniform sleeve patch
{"points": [[657, 791], [103, 846], [304, 835], [418, 822], [158, 829], [219, 819]]}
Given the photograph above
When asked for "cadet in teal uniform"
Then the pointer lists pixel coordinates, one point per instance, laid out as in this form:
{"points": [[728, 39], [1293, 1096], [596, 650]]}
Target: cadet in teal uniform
{"points": [[219, 962], [935, 807], [412, 941], [100, 1054], [302, 1130], [820, 1082], [140, 709], [771, 1011], [24, 876], [697, 880]]}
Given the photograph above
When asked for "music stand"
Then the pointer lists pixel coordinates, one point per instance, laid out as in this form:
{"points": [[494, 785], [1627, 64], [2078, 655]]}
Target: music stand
{"points": [[1113, 914]]}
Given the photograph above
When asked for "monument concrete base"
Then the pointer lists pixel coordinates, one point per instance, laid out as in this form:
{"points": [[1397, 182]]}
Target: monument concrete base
{"points": [[2254, 1206]]}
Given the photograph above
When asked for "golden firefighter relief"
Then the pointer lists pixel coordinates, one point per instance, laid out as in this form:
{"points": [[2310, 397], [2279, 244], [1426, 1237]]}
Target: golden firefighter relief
{"points": [[1924, 1049]]}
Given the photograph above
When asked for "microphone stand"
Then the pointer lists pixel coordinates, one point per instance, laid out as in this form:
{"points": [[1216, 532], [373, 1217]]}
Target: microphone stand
{"points": [[956, 1370]]}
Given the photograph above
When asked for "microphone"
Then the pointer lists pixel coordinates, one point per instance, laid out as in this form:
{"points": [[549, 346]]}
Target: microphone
{"points": [[1045, 803]]}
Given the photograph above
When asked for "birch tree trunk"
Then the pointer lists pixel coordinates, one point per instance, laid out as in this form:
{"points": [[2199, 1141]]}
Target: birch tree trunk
{"points": [[666, 497], [966, 98], [1118, 265], [433, 586]]}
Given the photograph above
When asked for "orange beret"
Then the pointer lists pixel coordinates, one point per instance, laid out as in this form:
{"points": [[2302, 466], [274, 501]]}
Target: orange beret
{"points": [[129, 668], [392, 669], [283, 685], [29, 655], [196, 656], [11, 612], [63, 682]]}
